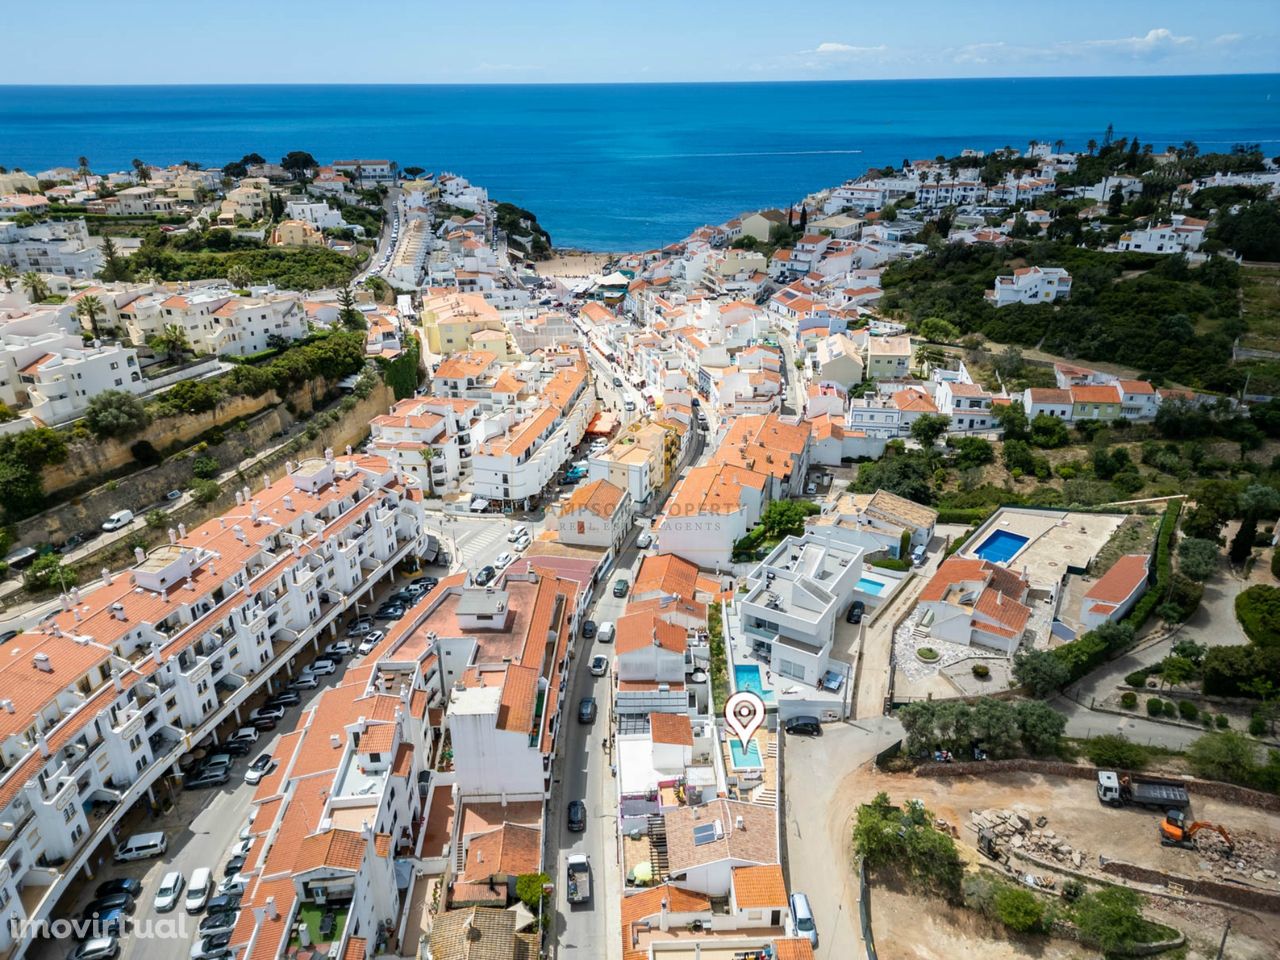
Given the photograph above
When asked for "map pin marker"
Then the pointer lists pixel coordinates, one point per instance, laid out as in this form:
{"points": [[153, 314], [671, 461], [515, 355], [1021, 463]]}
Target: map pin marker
{"points": [[743, 714]]}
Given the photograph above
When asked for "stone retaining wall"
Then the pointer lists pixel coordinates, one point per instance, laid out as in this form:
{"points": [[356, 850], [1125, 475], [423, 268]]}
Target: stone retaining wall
{"points": [[1247, 897], [1227, 792]]}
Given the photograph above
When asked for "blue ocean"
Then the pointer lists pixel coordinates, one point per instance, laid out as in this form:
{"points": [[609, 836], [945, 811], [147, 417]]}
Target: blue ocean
{"points": [[624, 167]]}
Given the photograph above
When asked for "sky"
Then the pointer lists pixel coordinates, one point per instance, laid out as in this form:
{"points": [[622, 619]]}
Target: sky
{"points": [[575, 41]]}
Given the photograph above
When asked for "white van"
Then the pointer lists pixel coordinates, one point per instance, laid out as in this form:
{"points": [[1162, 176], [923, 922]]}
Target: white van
{"points": [[605, 632], [802, 919], [118, 520], [199, 889], [141, 846]]}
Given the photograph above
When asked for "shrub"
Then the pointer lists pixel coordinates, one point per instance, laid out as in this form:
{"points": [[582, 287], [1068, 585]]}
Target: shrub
{"points": [[1206, 721], [114, 413], [1188, 710], [1018, 909], [891, 563], [1221, 721], [1258, 610], [206, 468], [1129, 700], [205, 491], [927, 654], [1111, 918], [1155, 706], [1116, 752], [1170, 709], [1039, 671], [1137, 679], [981, 671], [1257, 726], [47, 573]]}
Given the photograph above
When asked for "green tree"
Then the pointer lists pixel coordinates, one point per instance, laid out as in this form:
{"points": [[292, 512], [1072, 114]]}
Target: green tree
{"points": [[1012, 418], [239, 276], [908, 475], [47, 572], [171, 341], [783, 518], [530, 890], [1252, 231], [995, 726], [141, 171], [972, 452], [1018, 456], [206, 468], [7, 275], [88, 309], [205, 491], [35, 285], [1198, 558], [1242, 543], [298, 163], [84, 171], [114, 413], [928, 428], [1111, 918], [348, 315], [1018, 909], [1040, 672], [1228, 756], [1048, 432], [1113, 751], [1176, 671], [114, 266], [1041, 727], [939, 330]]}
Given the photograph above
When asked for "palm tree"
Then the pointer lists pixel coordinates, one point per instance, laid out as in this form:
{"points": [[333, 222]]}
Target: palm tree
{"points": [[141, 169], [7, 275], [87, 310], [1190, 147], [84, 171], [35, 286], [359, 175], [1058, 145], [1092, 145], [171, 341], [239, 277], [930, 356]]}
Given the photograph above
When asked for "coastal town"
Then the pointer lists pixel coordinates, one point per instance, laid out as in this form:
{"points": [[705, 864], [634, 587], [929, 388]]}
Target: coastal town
{"points": [[380, 580]]}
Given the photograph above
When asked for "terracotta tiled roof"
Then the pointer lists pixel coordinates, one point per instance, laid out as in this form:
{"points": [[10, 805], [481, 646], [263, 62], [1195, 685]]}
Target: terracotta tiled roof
{"points": [[671, 728], [637, 631], [1103, 394], [335, 849], [599, 497], [519, 698], [792, 948], [510, 850], [1117, 584], [760, 887], [668, 574]]}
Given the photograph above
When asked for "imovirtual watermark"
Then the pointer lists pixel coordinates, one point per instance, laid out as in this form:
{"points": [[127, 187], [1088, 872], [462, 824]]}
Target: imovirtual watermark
{"points": [[177, 927]]}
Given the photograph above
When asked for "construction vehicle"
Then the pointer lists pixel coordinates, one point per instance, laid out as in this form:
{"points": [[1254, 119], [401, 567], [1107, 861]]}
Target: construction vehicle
{"points": [[578, 870], [1118, 789], [987, 845], [1176, 832]]}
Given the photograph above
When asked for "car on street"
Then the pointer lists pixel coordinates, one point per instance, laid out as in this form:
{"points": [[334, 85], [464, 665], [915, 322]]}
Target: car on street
{"points": [[339, 649], [587, 710], [237, 748], [629, 406], [118, 520], [426, 583], [620, 587], [264, 723], [275, 713], [232, 867], [115, 901], [242, 847], [173, 495], [323, 667], [208, 778], [599, 665], [223, 903], [96, 948], [76, 539], [588, 629], [120, 885], [223, 921], [803, 726], [617, 381], [504, 560], [359, 627], [484, 576], [285, 698], [576, 816], [811, 489], [306, 680], [645, 540], [233, 885], [109, 923], [217, 762], [856, 610], [390, 611], [211, 947], [170, 890], [244, 734], [198, 890], [802, 919], [518, 531], [605, 632], [370, 641], [261, 766]]}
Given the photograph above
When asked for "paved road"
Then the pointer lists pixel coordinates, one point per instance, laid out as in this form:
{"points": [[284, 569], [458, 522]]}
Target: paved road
{"points": [[818, 823], [392, 208], [588, 932]]}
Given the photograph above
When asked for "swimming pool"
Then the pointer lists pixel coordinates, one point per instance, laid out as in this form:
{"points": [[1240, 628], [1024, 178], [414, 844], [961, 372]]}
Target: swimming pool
{"points": [[1001, 547], [747, 677], [872, 587], [745, 758]]}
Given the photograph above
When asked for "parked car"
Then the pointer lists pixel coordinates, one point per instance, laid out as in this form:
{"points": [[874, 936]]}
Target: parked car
{"points": [[645, 540], [275, 713], [802, 919], [803, 726], [587, 710], [285, 698], [223, 921], [173, 495], [7, 636], [606, 631], [856, 610], [339, 649], [118, 520], [264, 723], [217, 762], [242, 847], [504, 560], [96, 948], [918, 556], [811, 488], [620, 587], [576, 816], [170, 890], [198, 890], [232, 867], [237, 748], [260, 767], [306, 680], [115, 901], [370, 641], [246, 734], [208, 778], [427, 583], [516, 532], [211, 947], [485, 576], [223, 903], [120, 885], [360, 627], [389, 611], [599, 665], [323, 667], [231, 885], [617, 381], [629, 406]]}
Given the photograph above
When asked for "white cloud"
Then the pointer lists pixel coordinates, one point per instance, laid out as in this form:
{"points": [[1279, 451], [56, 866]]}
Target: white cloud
{"points": [[1158, 41], [1227, 39], [831, 48]]}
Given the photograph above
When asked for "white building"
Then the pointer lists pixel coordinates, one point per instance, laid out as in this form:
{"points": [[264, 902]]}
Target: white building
{"points": [[215, 319], [59, 247], [1031, 285], [1183, 235], [59, 385], [596, 514], [318, 214]]}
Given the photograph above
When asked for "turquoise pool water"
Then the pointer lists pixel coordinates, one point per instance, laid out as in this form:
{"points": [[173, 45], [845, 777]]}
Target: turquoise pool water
{"points": [[745, 758], [747, 677], [1001, 547], [872, 587]]}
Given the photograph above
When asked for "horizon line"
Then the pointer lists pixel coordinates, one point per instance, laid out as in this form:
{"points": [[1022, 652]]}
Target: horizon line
{"points": [[646, 83]]}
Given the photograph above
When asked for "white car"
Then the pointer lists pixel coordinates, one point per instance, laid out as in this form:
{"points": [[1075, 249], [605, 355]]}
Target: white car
{"points": [[118, 520], [503, 561], [169, 892], [322, 667], [233, 884], [248, 734], [260, 767], [599, 665], [644, 540], [199, 889], [242, 848], [370, 641], [517, 532], [340, 648]]}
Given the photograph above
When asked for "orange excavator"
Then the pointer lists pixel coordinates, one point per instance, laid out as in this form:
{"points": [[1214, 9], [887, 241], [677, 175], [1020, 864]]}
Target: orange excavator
{"points": [[1176, 832]]}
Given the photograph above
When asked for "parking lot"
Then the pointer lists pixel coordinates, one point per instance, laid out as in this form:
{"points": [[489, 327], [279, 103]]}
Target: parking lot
{"points": [[202, 826]]}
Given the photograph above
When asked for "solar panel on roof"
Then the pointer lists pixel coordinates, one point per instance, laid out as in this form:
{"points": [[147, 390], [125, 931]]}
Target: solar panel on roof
{"points": [[704, 833]]}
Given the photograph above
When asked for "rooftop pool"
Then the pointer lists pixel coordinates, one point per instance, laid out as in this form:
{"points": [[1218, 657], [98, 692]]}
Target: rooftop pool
{"points": [[1001, 546], [745, 758], [746, 676], [871, 586]]}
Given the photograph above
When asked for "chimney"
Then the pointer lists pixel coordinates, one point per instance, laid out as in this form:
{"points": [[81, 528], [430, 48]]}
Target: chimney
{"points": [[288, 502], [8, 706], [239, 499], [106, 576], [663, 919], [182, 530], [117, 610], [253, 511], [42, 663], [288, 466], [138, 555], [266, 481], [270, 909], [173, 535], [740, 822], [75, 594], [348, 449], [328, 454]]}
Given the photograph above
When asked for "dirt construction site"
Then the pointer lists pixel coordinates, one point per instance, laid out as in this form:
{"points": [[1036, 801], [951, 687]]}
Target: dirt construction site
{"points": [[1047, 829]]}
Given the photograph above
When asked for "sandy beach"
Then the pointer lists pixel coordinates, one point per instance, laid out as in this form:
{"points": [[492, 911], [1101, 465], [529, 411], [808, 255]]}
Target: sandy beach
{"points": [[574, 263]]}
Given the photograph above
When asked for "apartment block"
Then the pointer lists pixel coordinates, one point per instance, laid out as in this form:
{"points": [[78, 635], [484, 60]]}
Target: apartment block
{"points": [[58, 247]]}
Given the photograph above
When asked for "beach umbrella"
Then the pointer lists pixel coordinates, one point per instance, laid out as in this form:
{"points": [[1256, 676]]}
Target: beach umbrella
{"points": [[643, 873]]}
